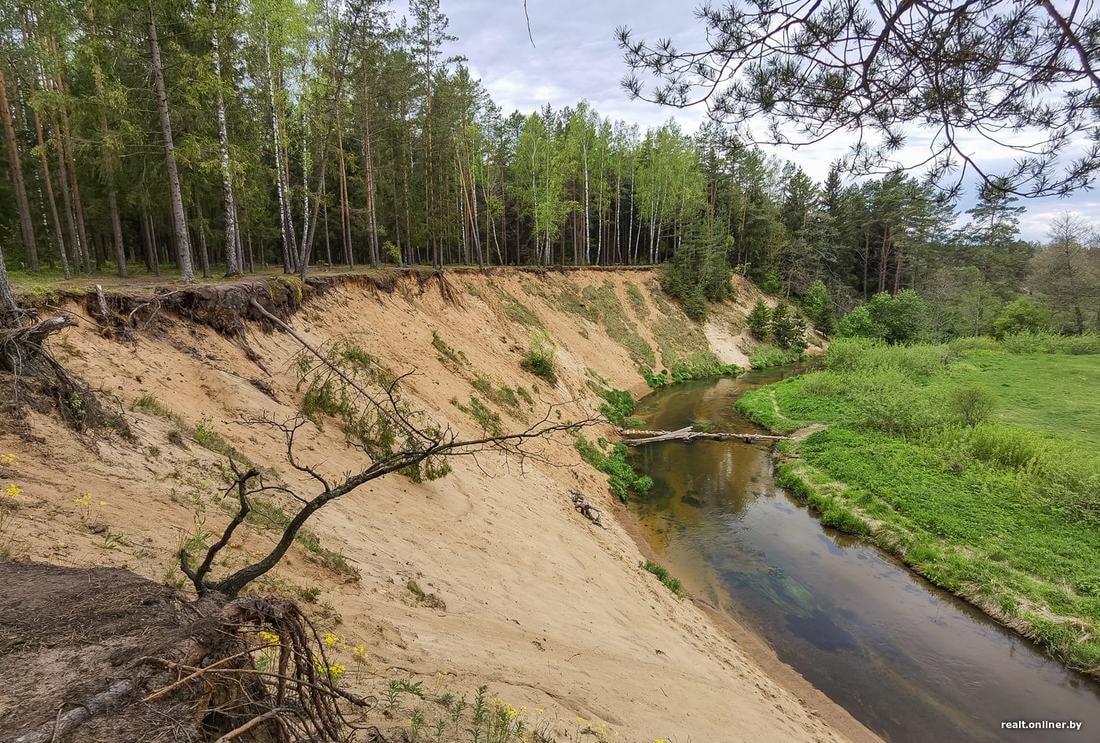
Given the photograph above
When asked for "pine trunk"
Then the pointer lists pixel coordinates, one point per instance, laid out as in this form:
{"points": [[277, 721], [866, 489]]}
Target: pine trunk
{"points": [[368, 180], [183, 242], [51, 200], [15, 167]]}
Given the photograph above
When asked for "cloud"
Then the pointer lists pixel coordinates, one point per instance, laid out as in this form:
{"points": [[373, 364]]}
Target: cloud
{"points": [[575, 56]]}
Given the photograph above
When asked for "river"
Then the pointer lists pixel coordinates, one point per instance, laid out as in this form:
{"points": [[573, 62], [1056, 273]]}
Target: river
{"points": [[908, 660]]}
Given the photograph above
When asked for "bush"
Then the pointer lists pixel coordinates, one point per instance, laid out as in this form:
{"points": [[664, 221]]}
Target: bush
{"points": [[1051, 343], [860, 323], [760, 321], [973, 403], [1021, 316], [901, 318], [617, 407], [540, 359], [960, 346], [818, 306]]}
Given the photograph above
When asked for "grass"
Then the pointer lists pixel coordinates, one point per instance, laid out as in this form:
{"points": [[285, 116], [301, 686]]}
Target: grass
{"points": [[768, 355], [503, 395], [450, 357], [488, 419], [978, 466], [672, 584], [539, 359], [622, 479], [515, 310], [203, 433], [704, 366], [637, 301], [601, 305]]}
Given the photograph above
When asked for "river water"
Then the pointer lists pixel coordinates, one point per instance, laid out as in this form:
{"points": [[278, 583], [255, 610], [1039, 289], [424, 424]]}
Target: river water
{"points": [[910, 661]]}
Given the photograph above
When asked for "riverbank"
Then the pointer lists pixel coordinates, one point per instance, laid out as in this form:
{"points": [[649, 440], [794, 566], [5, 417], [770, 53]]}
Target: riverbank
{"points": [[974, 464], [487, 576]]}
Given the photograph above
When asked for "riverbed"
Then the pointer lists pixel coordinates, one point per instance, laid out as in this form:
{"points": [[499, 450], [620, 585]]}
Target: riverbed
{"points": [[908, 660]]}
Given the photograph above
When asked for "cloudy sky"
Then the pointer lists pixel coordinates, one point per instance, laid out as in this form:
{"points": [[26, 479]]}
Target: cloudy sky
{"points": [[575, 56]]}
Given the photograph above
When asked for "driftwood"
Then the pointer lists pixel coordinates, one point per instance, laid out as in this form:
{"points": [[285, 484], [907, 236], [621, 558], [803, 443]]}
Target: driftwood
{"points": [[586, 509], [687, 434]]}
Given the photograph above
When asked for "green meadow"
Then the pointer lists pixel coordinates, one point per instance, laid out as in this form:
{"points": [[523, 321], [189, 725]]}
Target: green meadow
{"points": [[976, 462]]}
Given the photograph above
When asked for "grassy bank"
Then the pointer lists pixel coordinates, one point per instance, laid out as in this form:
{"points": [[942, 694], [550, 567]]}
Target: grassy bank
{"points": [[976, 464]]}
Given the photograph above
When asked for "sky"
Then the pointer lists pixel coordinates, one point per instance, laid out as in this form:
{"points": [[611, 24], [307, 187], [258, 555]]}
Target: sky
{"points": [[575, 56]]}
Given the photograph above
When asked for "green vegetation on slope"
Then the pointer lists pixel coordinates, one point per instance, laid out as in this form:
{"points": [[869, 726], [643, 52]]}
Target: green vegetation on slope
{"points": [[611, 460], [976, 465]]}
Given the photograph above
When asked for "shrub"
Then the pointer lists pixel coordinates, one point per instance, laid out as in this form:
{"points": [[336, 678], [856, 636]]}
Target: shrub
{"points": [[540, 358], [960, 346], [1021, 316], [656, 380], [859, 323], [618, 406], [901, 318], [818, 306], [973, 403], [759, 321], [1006, 446], [1051, 343]]}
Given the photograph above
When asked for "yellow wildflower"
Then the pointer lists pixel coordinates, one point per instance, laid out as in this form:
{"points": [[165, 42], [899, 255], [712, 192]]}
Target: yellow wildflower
{"points": [[102, 503], [270, 638], [360, 651], [13, 490], [331, 640], [84, 500], [7, 459]]}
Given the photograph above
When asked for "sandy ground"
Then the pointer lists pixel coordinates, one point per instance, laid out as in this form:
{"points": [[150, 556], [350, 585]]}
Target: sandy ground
{"points": [[549, 610]]}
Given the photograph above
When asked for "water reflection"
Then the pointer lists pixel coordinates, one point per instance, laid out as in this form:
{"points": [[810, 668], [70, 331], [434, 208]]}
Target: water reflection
{"points": [[910, 661]]}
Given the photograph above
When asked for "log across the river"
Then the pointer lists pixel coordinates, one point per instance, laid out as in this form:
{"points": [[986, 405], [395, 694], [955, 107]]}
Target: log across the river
{"points": [[687, 434]]}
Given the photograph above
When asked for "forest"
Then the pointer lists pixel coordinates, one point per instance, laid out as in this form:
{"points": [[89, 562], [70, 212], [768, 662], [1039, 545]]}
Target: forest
{"points": [[223, 137]]}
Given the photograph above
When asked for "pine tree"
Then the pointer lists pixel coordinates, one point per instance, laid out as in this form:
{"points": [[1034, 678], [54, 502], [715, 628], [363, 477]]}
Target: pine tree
{"points": [[760, 321]]}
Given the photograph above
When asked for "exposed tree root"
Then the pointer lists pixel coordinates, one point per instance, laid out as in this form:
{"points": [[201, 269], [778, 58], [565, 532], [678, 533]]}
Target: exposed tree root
{"points": [[256, 670], [103, 655], [33, 374]]}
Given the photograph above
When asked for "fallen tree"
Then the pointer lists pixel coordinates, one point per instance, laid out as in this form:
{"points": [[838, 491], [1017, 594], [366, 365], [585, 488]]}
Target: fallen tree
{"points": [[688, 434]]}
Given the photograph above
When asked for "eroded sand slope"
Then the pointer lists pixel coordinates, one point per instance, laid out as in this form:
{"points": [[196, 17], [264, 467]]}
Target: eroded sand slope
{"points": [[549, 610]]}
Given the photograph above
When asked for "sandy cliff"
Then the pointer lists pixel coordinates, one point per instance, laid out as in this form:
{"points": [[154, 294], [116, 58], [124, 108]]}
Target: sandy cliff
{"points": [[549, 610]]}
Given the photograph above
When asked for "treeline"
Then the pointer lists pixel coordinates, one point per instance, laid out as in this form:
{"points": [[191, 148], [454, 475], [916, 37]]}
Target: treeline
{"points": [[225, 136]]}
